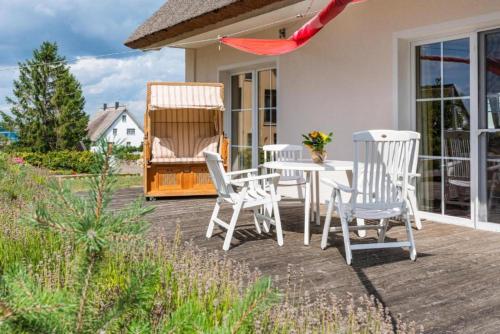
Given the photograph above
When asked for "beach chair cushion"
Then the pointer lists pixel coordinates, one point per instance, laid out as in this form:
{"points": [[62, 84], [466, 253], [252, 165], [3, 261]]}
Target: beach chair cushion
{"points": [[163, 148], [178, 160], [202, 144]]}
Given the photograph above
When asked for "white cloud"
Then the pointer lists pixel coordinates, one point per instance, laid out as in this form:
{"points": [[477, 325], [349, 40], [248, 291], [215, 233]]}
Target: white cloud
{"points": [[83, 27], [124, 80]]}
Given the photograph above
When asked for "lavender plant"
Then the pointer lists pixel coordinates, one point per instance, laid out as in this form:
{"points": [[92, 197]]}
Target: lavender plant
{"points": [[139, 285], [89, 224]]}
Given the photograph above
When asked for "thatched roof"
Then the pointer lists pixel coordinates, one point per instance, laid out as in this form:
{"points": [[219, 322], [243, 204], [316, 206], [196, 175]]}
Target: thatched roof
{"points": [[103, 119], [178, 19]]}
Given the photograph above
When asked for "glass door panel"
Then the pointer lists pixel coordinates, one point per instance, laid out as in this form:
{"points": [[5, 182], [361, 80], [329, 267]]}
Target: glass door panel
{"points": [[456, 168], [443, 120], [241, 120], [489, 127], [267, 109], [253, 116]]}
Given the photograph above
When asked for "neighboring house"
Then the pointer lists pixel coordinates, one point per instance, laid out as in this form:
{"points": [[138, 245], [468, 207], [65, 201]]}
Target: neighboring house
{"points": [[427, 65], [117, 125], [10, 136]]}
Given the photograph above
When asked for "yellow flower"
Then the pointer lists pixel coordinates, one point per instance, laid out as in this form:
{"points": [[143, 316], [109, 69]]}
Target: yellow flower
{"points": [[314, 134], [324, 136]]}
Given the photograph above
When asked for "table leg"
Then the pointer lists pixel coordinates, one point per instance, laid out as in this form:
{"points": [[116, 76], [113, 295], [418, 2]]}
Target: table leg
{"points": [[316, 200], [307, 208]]}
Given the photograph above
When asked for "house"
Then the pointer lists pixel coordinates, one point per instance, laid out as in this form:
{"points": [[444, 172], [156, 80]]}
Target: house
{"points": [[117, 125], [427, 65]]}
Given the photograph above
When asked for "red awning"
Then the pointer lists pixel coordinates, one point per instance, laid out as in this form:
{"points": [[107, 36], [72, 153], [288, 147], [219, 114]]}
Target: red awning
{"points": [[276, 47]]}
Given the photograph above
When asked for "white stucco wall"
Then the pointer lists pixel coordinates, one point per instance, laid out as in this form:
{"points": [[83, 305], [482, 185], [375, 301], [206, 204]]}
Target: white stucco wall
{"points": [[344, 79], [121, 135]]}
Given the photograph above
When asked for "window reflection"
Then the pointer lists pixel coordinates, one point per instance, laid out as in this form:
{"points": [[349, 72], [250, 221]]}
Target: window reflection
{"points": [[428, 70], [492, 76], [443, 120], [429, 185], [429, 127], [456, 68]]}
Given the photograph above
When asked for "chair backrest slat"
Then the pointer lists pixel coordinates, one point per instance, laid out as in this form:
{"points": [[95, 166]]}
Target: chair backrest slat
{"points": [[221, 181], [283, 152]]}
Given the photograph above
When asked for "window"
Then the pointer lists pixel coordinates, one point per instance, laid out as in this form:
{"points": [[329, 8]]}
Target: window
{"points": [[128, 143], [130, 132], [124, 118], [443, 120], [253, 116], [269, 107], [115, 132]]}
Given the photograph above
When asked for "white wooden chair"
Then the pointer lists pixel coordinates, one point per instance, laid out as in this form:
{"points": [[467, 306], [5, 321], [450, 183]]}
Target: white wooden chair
{"points": [[380, 179], [413, 175], [251, 195], [413, 150], [288, 178]]}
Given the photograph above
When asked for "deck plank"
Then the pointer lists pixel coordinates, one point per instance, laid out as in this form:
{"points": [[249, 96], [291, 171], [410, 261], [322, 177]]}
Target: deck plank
{"points": [[453, 287]]}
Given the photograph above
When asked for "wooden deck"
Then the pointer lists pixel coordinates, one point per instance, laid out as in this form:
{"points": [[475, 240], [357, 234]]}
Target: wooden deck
{"points": [[453, 287]]}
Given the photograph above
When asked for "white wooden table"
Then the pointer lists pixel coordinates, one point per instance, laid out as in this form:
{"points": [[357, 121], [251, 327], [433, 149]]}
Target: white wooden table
{"points": [[311, 172]]}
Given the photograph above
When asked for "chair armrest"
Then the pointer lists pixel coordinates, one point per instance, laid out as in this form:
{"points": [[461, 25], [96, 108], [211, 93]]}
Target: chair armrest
{"points": [[337, 185], [241, 172], [414, 175], [245, 180]]}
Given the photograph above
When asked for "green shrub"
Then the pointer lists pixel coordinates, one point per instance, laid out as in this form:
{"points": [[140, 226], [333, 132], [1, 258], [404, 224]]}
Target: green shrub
{"points": [[127, 153], [77, 161]]}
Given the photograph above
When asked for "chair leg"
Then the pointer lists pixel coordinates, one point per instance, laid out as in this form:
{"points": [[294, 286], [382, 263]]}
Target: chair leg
{"points": [[414, 209], [300, 192], [307, 210], [361, 222], [382, 230], [232, 225], [267, 209], [347, 241], [328, 220], [409, 232], [215, 213], [256, 220], [277, 218]]}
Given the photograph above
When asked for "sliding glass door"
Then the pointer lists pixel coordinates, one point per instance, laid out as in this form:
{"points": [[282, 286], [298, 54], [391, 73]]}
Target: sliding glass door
{"points": [[443, 119], [489, 127], [253, 116]]}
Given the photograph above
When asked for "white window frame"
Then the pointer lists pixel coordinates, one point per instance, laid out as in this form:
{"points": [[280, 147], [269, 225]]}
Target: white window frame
{"points": [[473, 119], [228, 72], [404, 82]]}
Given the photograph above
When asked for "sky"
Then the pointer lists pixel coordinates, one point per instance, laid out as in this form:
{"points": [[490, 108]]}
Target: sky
{"points": [[84, 28]]}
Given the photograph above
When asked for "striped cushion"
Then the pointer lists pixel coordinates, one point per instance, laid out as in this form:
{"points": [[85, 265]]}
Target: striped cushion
{"points": [[163, 148], [179, 160], [205, 144]]}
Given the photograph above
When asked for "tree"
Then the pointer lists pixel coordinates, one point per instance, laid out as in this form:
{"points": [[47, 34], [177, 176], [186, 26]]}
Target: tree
{"points": [[47, 107]]}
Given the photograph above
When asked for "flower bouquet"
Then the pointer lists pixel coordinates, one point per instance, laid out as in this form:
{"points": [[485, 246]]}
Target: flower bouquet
{"points": [[316, 142]]}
